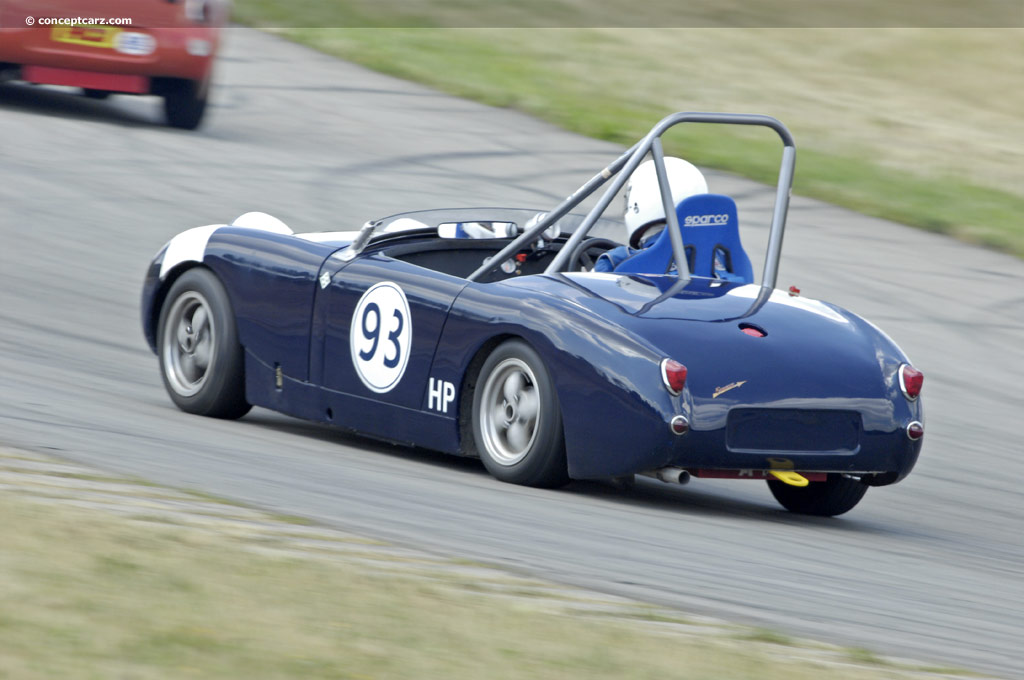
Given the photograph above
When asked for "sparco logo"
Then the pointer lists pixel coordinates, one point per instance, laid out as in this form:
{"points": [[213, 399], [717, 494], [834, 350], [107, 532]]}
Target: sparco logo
{"points": [[703, 220]]}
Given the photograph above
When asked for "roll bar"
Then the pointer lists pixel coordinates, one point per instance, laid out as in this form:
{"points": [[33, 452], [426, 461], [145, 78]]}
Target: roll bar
{"points": [[622, 167]]}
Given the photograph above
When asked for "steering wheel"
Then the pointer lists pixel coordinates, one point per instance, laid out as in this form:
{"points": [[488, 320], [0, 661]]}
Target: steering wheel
{"points": [[584, 256]]}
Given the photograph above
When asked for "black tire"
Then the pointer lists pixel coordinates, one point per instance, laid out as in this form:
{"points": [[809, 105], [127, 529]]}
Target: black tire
{"points": [[185, 103], [517, 423], [836, 495], [201, 361], [96, 94]]}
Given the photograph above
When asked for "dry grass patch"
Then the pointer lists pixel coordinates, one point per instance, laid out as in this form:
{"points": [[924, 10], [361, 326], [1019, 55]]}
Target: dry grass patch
{"points": [[87, 595]]}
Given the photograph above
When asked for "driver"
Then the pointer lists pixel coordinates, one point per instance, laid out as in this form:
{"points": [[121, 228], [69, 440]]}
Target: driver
{"points": [[644, 214]]}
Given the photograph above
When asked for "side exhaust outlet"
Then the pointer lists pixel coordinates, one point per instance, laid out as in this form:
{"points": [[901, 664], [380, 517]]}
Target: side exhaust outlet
{"points": [[670, 475]]}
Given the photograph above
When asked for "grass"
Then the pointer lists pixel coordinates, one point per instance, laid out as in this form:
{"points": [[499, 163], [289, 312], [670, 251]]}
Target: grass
{"points": [[769, 636], [89, 595], [597, 13], [920, 126]]}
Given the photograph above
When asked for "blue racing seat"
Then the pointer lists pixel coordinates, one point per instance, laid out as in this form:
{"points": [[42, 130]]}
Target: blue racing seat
{"points": [[711, 235]]}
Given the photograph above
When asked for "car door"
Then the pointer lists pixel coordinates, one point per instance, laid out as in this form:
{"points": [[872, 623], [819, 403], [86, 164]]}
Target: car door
{"points": [[376, 326]]}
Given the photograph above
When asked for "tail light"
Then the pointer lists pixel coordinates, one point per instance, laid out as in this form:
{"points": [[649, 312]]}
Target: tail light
{"points": [[911, 380], [915, 430], [673, 374]]}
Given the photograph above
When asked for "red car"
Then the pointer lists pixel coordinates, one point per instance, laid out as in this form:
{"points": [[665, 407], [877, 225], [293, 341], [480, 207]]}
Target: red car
{"points": [[159, 47]]}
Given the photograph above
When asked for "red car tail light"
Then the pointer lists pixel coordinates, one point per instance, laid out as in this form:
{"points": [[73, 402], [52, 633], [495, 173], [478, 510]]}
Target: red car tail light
{"points": [[915, 430], [911, 380], [673, 374]]}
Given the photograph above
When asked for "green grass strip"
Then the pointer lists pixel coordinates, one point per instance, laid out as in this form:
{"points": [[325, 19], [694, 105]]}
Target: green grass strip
{"points": [[896, 163]]}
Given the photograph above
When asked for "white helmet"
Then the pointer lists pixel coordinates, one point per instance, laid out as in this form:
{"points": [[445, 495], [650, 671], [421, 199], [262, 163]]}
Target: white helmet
{"points": [[643, 197]]}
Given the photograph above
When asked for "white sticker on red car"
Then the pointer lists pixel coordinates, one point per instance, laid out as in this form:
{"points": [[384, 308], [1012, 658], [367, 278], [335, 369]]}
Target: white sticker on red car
{"points": [[380, 336], [135, 44]]}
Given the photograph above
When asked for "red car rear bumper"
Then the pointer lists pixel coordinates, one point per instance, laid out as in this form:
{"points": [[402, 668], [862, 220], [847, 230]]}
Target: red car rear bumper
{"points": [[91, 80], [186, 53]]}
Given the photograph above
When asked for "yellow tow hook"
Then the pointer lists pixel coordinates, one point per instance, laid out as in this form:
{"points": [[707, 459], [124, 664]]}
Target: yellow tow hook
{"points": [[789, 477]]}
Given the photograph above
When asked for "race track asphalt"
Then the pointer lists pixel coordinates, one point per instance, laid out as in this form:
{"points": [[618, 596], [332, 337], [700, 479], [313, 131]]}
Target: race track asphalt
{"points": [[930, 568]]}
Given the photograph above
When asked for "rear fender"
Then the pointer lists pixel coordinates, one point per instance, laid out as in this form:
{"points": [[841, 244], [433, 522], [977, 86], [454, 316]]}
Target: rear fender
{"points": [[615, 411]]}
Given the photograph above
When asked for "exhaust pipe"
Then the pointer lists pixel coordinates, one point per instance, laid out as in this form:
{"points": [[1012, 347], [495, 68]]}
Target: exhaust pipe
{"points": [[670, 475]]}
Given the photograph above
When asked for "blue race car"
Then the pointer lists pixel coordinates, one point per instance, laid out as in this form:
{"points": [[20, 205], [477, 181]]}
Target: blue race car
{"points": [[487, 333]]}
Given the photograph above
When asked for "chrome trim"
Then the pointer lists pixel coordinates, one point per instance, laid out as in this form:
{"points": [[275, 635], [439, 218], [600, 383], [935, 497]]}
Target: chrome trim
{"points": [[910, 425], [353, 249], [685, 422]]}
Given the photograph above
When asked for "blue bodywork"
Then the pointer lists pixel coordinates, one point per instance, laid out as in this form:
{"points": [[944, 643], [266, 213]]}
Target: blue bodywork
{"points": [[819, 391], [775, 381]]}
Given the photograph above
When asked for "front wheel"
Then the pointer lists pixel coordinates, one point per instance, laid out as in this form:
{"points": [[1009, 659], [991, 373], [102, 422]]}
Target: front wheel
{"points": [[201, 361], [836, 495], [517, 424]]}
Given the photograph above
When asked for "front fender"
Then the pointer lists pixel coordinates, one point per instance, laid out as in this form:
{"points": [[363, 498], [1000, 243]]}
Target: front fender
{"points": [[183, 251], [186, 249]]}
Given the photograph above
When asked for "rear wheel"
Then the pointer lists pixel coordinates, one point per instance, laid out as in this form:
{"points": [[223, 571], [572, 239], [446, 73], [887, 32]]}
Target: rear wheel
{"points": [[517, 424], [836, 495], [185, 103], [201, 360]]}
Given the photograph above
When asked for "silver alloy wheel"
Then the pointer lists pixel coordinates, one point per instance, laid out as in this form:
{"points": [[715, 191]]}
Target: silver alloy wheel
{"points": [[510, 411], [189, 343]]}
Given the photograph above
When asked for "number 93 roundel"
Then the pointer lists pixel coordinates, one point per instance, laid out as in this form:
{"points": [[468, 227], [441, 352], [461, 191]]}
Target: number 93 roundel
{"points": [[380, 336]]}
